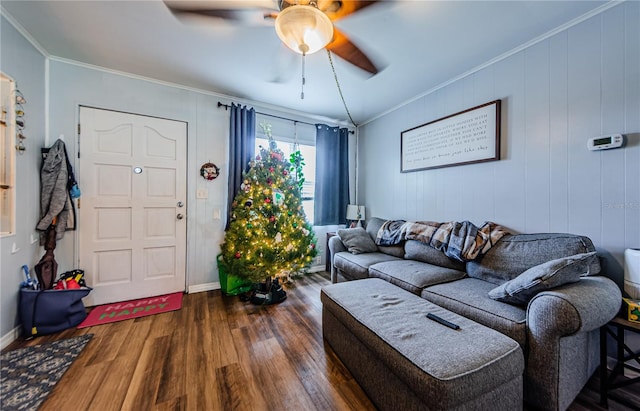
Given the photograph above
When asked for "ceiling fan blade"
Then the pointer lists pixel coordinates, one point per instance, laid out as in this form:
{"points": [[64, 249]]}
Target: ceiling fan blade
{"points": [[339, 9], [344, 48], [251, 12]]}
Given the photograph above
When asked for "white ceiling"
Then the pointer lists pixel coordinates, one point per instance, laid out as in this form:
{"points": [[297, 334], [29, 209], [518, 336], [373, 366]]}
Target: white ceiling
{"points": [[420, 44]]}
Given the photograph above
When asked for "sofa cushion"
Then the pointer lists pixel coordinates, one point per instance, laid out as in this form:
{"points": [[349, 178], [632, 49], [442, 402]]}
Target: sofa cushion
{"points": [[357, 240], [413, 276], [469, 298], [373, 225], [356, 266], [543, 277], [417, 250], [515, 254]]}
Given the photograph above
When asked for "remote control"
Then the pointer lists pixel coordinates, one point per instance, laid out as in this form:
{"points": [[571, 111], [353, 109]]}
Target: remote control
{"points": [[443, 321]]}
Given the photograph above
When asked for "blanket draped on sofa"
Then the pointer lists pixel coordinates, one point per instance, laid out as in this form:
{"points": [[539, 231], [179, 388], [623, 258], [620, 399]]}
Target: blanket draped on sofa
{"points": [[462, 241]]}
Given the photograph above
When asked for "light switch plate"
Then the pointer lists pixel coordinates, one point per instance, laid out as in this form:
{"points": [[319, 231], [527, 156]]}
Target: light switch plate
{"points": [[202, 193]]}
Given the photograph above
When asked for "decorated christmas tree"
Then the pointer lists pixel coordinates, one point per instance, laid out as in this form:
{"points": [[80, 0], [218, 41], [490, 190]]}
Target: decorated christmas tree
{"points": [[269, 236]]}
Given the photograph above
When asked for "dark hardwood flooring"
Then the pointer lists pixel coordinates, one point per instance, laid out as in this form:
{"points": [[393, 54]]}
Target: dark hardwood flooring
{"points": [[219, 353]]}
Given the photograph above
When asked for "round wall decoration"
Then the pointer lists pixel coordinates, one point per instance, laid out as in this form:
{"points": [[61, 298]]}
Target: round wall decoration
{"points": [[209, 171]]}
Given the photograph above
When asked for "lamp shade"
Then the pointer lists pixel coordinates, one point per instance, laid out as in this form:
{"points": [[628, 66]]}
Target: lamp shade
{"points": [[355, 212], [304, 28]]}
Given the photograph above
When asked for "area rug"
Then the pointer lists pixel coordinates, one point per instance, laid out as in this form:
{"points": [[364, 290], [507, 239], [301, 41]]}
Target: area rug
{"points": [[29, 374], [126, 310]]}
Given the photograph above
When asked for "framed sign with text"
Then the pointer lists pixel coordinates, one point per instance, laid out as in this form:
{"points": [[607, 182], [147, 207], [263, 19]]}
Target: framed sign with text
{"points": [[470, 136]]}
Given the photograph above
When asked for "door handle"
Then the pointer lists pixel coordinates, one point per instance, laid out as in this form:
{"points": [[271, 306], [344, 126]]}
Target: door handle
{"points": [[180, 216]]}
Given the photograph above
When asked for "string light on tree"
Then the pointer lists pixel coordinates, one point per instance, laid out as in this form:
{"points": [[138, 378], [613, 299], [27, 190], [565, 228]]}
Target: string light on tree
{"points": [[269, 235]]}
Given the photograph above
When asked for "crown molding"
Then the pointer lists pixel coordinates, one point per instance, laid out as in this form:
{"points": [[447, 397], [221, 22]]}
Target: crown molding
{"points": [[23, 32]]}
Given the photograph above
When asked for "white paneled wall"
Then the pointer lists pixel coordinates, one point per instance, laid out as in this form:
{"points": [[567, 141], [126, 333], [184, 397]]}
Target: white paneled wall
{"points": [[580, 83]]}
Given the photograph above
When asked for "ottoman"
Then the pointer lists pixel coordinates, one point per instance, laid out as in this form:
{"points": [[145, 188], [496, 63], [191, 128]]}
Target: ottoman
{"points": [[405, 361]]}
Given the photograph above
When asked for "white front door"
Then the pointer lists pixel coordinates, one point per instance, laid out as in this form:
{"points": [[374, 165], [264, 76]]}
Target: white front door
{"points": [[132, 212]]}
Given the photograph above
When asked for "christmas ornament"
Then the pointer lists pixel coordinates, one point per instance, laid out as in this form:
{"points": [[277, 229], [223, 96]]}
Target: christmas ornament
{"points": [[278, 197], [249, 202], [278, 238], [238, 255]]}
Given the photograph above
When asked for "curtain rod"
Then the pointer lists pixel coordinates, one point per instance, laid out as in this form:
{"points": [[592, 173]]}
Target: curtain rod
{"points": [[226, 107]]}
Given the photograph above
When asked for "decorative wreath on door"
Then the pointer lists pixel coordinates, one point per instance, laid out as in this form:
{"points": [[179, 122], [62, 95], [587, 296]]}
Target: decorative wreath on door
{"points": [[209, 171]]}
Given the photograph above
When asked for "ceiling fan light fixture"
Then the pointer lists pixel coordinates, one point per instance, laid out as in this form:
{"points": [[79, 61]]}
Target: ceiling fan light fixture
{"points": [[304, 28]]}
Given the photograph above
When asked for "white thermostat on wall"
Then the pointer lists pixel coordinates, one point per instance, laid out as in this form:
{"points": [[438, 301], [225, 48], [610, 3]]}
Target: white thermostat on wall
{"points": [[605, 142]]}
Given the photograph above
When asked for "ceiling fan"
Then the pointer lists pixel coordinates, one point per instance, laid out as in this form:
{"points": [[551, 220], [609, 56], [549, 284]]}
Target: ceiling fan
{"points": [[305, 26]]}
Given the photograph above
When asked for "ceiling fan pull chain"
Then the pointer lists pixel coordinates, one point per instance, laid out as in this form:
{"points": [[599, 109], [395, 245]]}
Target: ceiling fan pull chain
{"points": [[339, 89], [303, 79]]}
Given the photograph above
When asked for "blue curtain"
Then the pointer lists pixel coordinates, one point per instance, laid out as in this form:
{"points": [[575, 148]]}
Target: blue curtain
{"points": [[332, 175], [242, 141]]}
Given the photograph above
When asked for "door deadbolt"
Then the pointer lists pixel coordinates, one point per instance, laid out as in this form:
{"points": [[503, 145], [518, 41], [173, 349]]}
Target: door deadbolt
{"points": [[180, 204]]}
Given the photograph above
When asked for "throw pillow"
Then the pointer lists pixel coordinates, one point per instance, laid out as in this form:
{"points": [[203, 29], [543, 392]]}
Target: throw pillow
{"points": [[543, 277], [357, 240]]}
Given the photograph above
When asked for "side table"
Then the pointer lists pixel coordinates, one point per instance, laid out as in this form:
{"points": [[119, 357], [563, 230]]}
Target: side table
{"points": [[616, 328], [327, 253]]}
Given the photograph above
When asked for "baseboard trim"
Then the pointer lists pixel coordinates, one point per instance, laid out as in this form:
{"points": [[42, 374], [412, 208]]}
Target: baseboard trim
{"points": [[199, 288], [10, 337]]}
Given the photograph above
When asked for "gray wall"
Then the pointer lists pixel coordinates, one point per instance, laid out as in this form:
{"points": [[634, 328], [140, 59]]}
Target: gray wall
{"points": [[580, 83], [26, 65]]}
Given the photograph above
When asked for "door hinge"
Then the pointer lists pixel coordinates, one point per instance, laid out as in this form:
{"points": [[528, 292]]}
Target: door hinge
{"points": [[78, 140], [78, 204]]}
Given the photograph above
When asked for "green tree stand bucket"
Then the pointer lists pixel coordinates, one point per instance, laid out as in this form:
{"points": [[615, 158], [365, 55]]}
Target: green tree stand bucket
{"points": [[231, 284]]}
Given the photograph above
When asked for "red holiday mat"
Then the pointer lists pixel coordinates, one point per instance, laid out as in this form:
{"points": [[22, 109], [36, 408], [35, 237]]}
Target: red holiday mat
{"points": [[126, 310]]}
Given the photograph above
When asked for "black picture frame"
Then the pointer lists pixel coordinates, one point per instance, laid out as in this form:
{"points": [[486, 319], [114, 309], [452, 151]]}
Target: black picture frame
{"points": [[467, 137]]}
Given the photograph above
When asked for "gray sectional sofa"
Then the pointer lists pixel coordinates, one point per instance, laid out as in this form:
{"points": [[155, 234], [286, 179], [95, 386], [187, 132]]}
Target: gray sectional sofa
{"points": [[543, 291]]}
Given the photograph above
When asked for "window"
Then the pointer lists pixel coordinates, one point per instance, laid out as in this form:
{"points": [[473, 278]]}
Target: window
{"points": [[309, 170], [286, 133], [7, 156]]}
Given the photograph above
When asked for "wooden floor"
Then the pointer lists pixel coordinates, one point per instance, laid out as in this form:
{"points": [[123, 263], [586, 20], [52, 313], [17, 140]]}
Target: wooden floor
{"points": [[219, 353]]}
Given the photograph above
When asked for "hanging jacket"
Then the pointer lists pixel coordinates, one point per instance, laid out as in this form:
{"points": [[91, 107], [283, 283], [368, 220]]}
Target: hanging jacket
{"points": [[54, 193]]}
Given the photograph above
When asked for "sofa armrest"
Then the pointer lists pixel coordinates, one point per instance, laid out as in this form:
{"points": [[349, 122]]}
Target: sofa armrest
{"points": [[562, 351], [335, 246], [578, 307]]}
